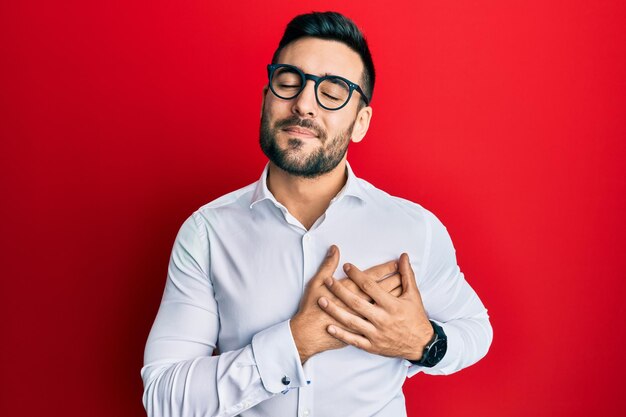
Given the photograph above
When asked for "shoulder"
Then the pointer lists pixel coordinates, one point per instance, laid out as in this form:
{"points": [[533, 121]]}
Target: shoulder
{"points": [[234, 201], [398, 204], [201, 219], [240, 197], [412, 215]]}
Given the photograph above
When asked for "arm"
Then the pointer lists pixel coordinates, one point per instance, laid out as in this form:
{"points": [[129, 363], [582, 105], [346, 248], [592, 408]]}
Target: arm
{"points": [[180, 375], [451, 302]]}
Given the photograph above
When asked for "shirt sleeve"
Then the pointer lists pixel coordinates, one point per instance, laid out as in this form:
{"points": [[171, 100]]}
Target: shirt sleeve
{"points": [[180, 374], [452, 303]]}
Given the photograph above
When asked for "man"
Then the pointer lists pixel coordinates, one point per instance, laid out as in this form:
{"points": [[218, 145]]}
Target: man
{"points": [[253, 274]]}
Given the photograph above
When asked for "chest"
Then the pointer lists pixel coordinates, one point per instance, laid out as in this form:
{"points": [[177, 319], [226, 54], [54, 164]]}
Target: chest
{"points": [[260, 269]]}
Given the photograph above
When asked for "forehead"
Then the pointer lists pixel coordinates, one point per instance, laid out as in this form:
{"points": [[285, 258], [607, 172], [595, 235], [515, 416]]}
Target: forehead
{"points": [[321, 57]]}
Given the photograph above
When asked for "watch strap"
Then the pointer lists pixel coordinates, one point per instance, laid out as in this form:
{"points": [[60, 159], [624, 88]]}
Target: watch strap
{"points": [[435, 350]]}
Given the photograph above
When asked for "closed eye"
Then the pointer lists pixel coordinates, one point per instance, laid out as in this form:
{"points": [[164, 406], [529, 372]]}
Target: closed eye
{"points": [[331, 97]]}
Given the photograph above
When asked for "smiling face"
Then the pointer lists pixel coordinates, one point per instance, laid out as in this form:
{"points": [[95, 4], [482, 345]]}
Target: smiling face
{"points": [[298, 135]]}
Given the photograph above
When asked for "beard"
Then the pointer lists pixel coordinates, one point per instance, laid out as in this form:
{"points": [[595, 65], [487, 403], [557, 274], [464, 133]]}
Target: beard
{"points": [[319, 162]]}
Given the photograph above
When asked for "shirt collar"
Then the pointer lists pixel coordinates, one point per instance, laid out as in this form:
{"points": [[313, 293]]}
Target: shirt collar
{"points": [[352, 188]]}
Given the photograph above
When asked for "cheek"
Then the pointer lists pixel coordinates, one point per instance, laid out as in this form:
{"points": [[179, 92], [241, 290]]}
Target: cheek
{"points": [[275, 105], [341, 125]]}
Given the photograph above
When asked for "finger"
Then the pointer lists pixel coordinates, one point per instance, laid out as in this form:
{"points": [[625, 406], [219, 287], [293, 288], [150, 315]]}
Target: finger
{"points": [[323, 291], [381, 273], [353, 301], [382, 270], [348, 338], [391, 283], [328, 266], [366, 284], [409, 286], [351, 285], [317, 289], [348, 320], [396, 292]]}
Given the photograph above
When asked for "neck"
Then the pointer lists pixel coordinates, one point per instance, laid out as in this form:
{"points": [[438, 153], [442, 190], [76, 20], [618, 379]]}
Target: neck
{"points": [[306, 198]]}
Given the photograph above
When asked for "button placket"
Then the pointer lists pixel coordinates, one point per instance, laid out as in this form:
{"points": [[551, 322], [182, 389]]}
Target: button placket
{"points": [[308, 269], [312, 257]]}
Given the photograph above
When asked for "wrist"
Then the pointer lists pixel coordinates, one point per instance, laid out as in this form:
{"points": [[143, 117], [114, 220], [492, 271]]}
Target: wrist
{"points": [[302, 346], [429, 338], [434, 351]]}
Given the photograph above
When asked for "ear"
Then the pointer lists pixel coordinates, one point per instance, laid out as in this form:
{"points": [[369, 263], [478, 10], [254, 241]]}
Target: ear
{"points": [[265, 89], [361, 124]]}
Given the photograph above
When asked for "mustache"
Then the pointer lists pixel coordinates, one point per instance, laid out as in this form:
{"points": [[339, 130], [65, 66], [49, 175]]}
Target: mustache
{"points": [[305, 123]]}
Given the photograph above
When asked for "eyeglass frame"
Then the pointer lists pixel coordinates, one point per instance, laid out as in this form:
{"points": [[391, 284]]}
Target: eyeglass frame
{"points": [[271, 68]]}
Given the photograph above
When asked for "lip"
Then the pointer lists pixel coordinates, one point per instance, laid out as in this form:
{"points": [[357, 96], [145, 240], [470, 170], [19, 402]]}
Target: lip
{"points": [[300, 131]]}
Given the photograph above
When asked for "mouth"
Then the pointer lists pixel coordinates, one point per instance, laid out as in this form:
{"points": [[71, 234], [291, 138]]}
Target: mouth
{"points": [[301, 132]]}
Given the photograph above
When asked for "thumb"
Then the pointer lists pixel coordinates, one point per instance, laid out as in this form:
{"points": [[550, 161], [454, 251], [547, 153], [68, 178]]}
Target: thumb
{"points": [[409, 286], [326, 269], [329, 264]]}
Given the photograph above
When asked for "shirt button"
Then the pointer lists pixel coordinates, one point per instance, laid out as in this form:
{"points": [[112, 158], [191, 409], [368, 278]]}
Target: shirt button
{"points": [[286, 380], [305, 413]]}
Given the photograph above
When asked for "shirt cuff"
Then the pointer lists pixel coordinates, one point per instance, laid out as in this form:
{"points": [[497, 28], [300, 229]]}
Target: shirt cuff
{"points": [[450, 360], [277, 359]]}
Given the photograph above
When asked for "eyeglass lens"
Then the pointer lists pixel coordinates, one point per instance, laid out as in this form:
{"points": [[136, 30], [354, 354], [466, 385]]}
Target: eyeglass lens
{"points": [[332, 92]]}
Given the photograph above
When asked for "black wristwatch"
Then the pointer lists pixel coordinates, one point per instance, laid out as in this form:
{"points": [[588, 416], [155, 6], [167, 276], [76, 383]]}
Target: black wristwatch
{"points": [[435, 349]]}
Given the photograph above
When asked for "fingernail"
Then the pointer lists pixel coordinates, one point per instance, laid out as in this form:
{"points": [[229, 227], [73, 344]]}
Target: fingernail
{"points": [[328, 281], [331, 251], [347, 267], [395, 265], [332, 330], [323, 302]]}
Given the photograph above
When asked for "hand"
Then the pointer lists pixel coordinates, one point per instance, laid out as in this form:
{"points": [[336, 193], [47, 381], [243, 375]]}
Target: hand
{"points": [[308, 326], [392, 326], [390, 283]]}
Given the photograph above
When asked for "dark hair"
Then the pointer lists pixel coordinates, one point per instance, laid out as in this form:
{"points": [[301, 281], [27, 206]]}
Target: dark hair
{"points": [[332, 26]]}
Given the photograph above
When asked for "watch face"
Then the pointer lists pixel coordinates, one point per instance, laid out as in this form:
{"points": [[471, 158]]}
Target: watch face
{"points": [[437, 351]]}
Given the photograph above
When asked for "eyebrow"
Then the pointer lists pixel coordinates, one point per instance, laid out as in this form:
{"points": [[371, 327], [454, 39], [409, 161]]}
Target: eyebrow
{"points": [[326, 74]]}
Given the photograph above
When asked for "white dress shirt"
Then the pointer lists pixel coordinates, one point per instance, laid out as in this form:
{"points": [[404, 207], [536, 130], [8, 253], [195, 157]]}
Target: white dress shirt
{"points": [[238, 269]]}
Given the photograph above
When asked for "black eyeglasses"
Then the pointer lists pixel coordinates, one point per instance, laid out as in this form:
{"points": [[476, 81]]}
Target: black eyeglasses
{"points": [[331, 91]]}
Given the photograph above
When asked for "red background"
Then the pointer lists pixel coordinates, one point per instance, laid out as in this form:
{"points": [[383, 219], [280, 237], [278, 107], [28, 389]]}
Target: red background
{"points": [[506, 119]]}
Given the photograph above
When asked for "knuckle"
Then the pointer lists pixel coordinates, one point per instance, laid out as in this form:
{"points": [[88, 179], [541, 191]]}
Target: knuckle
{"points": [[355, 302], [362, 295], [378, 323], [351, 323], [318, 279], [347, 283], [386, 283], [326, 265], [367, 285]]}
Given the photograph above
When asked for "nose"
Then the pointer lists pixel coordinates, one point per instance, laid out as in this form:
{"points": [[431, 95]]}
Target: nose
{"points": [[305, 104]]}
